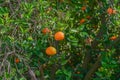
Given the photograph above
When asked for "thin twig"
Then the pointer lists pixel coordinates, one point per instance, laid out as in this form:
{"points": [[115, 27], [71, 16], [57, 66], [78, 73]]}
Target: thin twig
{"points": [[4, 59], [30, 71], [41, 71]]}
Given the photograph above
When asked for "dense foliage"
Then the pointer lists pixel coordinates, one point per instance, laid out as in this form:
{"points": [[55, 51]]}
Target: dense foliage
{"points": [[86, 47]]}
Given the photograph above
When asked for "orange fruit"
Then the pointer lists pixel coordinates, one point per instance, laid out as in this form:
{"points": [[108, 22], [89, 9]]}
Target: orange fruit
{"points": [[59, 36], [17, 60], [51, 51], [110, 11], [114, 12], [82, 21], [83, 8], [113, 38], [45, 30], [88, 17]]}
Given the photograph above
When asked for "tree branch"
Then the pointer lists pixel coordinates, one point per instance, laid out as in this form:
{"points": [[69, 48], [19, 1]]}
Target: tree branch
{"points": [[93, 69], [4, 59]]}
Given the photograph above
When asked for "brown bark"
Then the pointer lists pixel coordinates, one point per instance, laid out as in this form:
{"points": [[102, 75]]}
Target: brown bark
{"points": [[94, 44], [93, 69], [53, 71], [42, 73], [86, 60], [32, 74]]}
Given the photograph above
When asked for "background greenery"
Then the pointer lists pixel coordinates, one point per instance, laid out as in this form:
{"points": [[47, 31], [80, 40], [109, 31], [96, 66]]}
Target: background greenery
{"points": [[21, 24]]}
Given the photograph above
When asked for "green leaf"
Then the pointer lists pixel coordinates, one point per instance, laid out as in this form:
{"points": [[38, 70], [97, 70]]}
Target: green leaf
{"points": [[74, 30], [81, 27], [30, 38], [22, 79], [84, 34], [64, 62], [3, 30], [58, 71]]}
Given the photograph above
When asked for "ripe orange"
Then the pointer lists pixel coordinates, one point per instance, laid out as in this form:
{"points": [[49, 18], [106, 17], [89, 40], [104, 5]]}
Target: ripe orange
{"points": [[51, 51], [59, 36], [88, 17], [83, 8], [114, 12], [110, 11], [45, 30], [82, 21], [113, 38], [17, 60]]}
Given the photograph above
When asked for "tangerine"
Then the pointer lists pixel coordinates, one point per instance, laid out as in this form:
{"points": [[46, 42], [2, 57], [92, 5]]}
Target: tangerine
{"points": [[114, 12], [17, 60], [110, 11], [113, 38], [45, 30], [83, 8], [59, 36], [82, 21], [51, 51], [88, 17]]}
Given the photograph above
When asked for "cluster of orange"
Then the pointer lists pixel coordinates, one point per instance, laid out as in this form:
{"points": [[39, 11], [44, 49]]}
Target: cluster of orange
{"points": [[88, 17], [58, 36], [83, 20], [111, 11], [50, 50]]}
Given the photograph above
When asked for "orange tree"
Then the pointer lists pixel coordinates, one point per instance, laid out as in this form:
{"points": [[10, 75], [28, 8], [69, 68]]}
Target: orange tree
{"points": [[59, 39]]}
